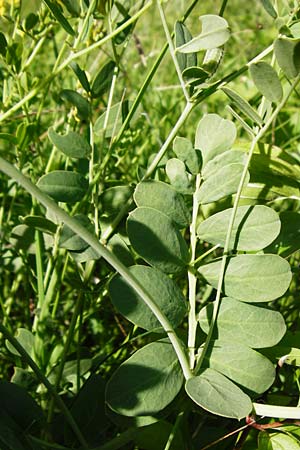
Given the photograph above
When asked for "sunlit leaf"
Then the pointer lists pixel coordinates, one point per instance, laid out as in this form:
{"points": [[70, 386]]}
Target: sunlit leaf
{"points": [[218, 395], [215, 32], [251, 278], [64, 186], [247, 324], [254, 228], [71, 144], [267, 81]]}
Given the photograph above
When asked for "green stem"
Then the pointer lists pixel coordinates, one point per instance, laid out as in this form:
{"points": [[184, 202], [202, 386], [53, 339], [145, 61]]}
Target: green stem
{"points": [[225, 256], [107, 38], [192, 280], [39, 374], [66, 349], [90, 239], [172, 50]]}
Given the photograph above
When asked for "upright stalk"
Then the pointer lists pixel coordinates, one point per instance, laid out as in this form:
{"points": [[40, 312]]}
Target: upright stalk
{"points": [[225, 256]]}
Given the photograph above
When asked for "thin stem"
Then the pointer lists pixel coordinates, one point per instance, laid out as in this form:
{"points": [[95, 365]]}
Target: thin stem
{"points": [[223, 7], [39, 374], [107, 38], [225, 256], [172, 51], [20, 103], [85, 24], [192, 280], [102, 251], [185, 113]]}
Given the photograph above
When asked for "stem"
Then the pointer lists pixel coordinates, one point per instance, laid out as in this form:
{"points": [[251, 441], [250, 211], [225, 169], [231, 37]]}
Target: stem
{"points": [[107, 38], [102, 251], [20, 103], [45, 382], [188, 108], [225, 256], [172, 50], [192, 279]]}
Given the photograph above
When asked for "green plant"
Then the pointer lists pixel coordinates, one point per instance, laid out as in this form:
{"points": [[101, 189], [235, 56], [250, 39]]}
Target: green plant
{"points": [[184, 241]]}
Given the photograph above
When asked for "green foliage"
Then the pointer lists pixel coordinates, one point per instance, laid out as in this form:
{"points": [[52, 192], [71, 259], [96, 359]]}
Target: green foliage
{"points": [[149, 241]]}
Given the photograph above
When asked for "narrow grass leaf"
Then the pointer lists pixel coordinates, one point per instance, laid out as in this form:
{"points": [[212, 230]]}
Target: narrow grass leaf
{"points": [[243, 323], [269, 8], [146, 382], [251, 278], [214, 135], [64, 186], [243, 106], [71, 144], [165, 198], [157, 240], [242, 365], [56, 11], [161, 289], [81, 103], [215, 32], [267, 81], [222, 183], [254, 228], [103, 79], [215, 393], [287, 52]]}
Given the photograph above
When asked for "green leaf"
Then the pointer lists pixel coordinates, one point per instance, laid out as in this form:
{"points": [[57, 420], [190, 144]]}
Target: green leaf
{"points": [[295, 30], [287, 52], [71, 241], [156, 436], [195, 75], [277, 441], [247, 324], [56, 11], [64, 186], [22, 238], [243, 105], [3, 44], [161, 289], [40, 223], [146, 382], [269, 8], [71, 144], [254, 228], [157, 240], [183, 149], [119, 247], [103, 79], [222, 183], [251, 278], [288, 240], [113, 198], [175, 170], [165, 198], [242, 365], [26, 339], [222, 160], [215, 32], [81, 75], [218, 395], [77, 100], [182, 36], [267, 81], [214, 135]]}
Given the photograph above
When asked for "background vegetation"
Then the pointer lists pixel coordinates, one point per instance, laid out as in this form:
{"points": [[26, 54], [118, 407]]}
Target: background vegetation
{"points": [[100, 74]]}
